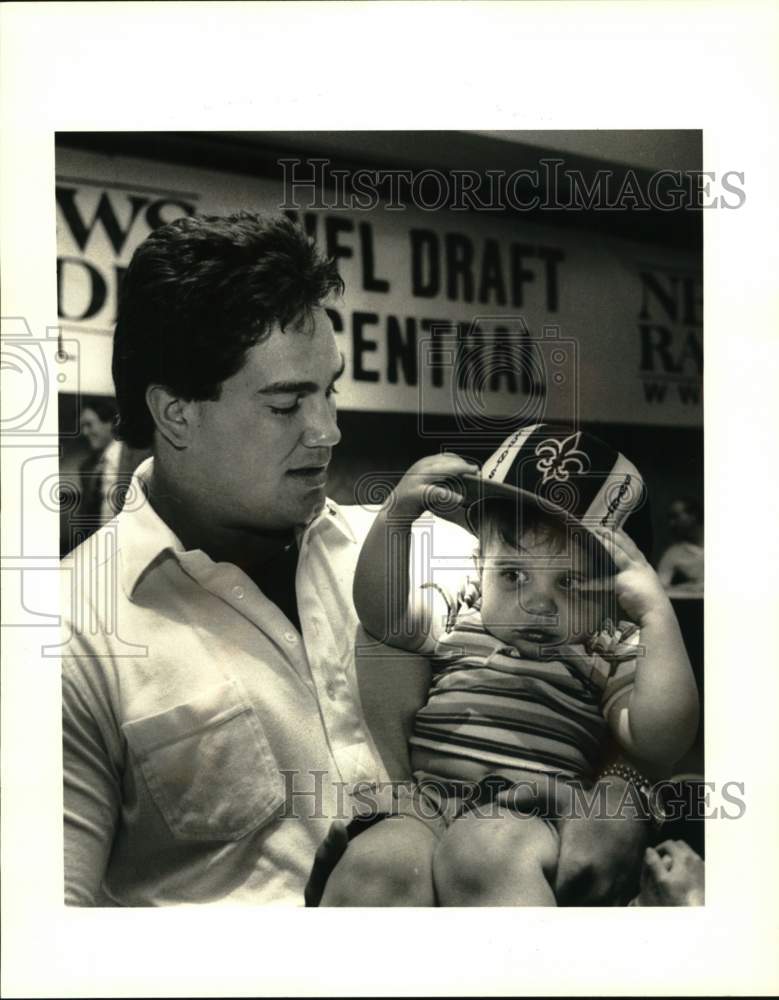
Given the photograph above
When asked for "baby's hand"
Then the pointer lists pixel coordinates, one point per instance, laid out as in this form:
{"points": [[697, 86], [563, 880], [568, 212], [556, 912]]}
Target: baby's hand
{"points": [[638, 588], [433, 484], [468, 596], [469, 593]]}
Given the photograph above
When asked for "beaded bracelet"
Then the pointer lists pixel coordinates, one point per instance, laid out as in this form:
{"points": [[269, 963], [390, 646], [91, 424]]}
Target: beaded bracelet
{"points": [[643, 786]]}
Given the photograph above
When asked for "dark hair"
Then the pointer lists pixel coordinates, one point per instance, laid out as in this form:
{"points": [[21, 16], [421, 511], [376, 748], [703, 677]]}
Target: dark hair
{"points": [[512, 522], [104, 408], [198, 294]]}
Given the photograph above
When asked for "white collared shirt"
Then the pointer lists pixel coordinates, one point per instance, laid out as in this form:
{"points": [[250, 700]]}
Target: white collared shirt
{"points": [[109, 474], [207, 744]]}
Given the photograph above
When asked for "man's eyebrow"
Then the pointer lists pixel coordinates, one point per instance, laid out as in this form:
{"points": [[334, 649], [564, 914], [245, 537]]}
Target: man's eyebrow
{"points": [[276, 388]]}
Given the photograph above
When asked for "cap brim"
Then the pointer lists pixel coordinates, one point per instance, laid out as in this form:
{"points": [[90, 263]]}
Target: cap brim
{"points": [[478, 490]]}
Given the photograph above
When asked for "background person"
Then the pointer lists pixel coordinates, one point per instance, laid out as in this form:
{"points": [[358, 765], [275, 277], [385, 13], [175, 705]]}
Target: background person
{"points": [[99, 472], [680, 568]]}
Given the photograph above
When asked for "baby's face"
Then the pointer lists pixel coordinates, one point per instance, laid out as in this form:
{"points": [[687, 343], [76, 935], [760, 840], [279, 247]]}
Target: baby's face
{"points": [[533, 599]]}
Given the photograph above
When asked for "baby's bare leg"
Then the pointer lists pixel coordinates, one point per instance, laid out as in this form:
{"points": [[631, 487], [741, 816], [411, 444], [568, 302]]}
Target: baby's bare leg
{"points": [[501, 859], [389, 864]]}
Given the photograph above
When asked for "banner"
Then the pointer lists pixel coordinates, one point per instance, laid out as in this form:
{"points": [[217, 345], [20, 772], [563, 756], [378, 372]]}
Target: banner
{"points": [[496, 320]]}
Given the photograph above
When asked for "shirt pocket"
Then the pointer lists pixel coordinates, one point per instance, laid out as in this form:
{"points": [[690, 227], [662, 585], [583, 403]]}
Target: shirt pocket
{"points": [[208, 765]]}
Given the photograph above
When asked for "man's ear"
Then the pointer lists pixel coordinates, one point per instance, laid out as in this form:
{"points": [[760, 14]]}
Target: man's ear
{"points": [[173, 416]]}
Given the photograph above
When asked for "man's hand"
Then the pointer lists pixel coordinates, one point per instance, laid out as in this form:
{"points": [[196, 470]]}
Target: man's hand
{"points": [[600, 857], [431, 484], [673, 875], [328, 854]]}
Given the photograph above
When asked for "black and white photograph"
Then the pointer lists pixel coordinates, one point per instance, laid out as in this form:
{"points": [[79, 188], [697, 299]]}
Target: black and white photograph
{"points": [[366, 476], [320, 358]]}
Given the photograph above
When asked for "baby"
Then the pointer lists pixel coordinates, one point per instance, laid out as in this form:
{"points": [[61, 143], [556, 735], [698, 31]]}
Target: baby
{"points": [[520, 705]]}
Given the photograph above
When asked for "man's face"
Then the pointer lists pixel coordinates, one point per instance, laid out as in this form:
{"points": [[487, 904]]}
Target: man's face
{"points": [[680, 520], [262, 449], [96, 432]]}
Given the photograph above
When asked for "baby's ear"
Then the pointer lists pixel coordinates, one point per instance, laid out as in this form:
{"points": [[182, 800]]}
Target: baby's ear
{"points": [[478, 561]]}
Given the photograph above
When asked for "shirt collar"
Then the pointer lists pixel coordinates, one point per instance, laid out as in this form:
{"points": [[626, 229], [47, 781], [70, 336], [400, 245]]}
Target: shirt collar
{"points": [[332, 517], [144, 536], [114, 448]]}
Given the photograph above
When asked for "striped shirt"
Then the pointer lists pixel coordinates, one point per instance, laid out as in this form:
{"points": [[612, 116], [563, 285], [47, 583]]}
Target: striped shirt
{"points": [[489, 706]]}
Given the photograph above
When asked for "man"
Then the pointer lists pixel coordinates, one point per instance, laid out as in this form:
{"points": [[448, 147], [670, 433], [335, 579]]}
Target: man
{"points": [[86, 486], [681, 565], [99, 470], [201, 685], [103, 477], [212, 722]]}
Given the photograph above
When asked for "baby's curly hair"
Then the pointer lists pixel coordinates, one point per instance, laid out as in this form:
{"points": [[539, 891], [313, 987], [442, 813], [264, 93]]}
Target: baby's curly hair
{"points": [[517, 524]]}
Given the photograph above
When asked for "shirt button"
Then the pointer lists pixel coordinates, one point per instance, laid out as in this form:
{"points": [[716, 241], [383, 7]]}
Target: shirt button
{"points": [[238, 591], [330, 688], [290, 637]]}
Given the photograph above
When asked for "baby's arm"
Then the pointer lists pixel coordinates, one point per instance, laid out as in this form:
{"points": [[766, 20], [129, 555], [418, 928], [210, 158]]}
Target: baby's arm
{"points": [[381, 582], [667, 567], [657, 720]]}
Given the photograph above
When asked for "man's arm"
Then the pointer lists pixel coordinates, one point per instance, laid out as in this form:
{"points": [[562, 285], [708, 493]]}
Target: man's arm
{"points": [[327, 856], [92, 792], [600, 857], [602, 842]]}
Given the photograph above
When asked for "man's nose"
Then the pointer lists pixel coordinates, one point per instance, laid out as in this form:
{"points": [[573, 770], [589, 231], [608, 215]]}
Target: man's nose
{"points": [[321, 429]]}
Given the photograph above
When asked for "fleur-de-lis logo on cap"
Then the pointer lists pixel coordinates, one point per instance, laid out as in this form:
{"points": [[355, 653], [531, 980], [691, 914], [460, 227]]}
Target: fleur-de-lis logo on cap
{"points": [[560, 458]]}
